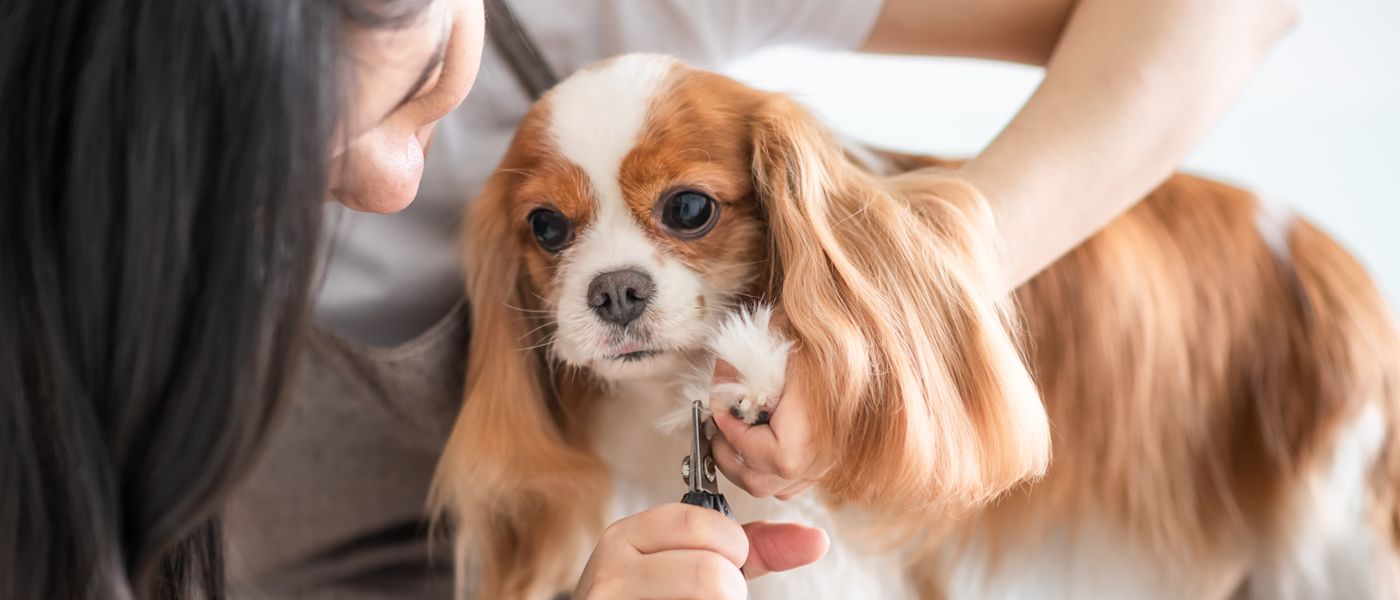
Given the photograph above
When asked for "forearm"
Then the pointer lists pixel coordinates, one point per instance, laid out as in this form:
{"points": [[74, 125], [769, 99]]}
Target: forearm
{"points": [[1129, 91]]}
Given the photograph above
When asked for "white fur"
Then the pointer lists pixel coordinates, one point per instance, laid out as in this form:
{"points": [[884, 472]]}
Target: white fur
{"points": [[1092, 561], [746, 341], [691, 387], [645, 466], [1063, 565], [1329, 547], [1274, 221], [597, 114]]}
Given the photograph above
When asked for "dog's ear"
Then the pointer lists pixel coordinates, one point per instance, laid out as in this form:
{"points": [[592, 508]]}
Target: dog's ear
{"points": [[895, 297], [513, 487]]}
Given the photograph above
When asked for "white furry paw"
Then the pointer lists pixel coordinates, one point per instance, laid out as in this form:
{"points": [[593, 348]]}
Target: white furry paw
{"points": [[759, 354]]}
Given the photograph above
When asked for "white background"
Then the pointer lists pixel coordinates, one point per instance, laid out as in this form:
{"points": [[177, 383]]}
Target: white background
{"points": [[1318, 128]]}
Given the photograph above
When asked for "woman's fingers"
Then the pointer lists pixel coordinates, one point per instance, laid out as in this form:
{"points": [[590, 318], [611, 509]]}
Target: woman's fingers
{"points": [[782, 546], [668, 575], [688, 574], [780, 447], [757, 483], [679, 526], [678, 551], [671, 551]]}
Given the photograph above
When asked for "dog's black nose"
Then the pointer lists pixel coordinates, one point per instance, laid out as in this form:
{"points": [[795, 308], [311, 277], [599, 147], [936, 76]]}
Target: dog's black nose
{"points": [[619, 297]]}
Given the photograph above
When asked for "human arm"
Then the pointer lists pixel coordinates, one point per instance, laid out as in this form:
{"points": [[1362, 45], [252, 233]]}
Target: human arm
{"points": [[1130, 88]]}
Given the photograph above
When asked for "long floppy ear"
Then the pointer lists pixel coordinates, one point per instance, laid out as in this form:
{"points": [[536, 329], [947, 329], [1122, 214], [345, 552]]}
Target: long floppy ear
{"points": [[515, 489], [894, 292]]}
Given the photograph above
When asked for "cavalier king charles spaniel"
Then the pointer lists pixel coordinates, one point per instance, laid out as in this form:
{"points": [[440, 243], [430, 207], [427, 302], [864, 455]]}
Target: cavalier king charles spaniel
{"points": [[1217, 380]]}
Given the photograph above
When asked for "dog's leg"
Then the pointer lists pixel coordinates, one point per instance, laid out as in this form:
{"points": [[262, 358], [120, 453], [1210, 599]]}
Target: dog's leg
{"points": [[759, 354]]}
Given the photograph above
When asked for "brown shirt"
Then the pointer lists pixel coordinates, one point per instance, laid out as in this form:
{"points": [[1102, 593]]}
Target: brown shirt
{"points": [[335, 508]]}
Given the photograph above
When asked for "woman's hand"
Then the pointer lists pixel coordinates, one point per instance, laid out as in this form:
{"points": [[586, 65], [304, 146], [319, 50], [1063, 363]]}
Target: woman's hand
{"points": [[780, 458], [683, 551]]}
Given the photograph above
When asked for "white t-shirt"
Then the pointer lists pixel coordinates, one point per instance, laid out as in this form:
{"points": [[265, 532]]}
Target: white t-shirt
{"points": [[388, 278]]}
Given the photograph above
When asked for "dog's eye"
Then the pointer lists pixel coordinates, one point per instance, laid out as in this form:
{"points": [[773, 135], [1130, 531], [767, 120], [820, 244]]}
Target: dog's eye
{"points": [[552, 229], [689, 214]]}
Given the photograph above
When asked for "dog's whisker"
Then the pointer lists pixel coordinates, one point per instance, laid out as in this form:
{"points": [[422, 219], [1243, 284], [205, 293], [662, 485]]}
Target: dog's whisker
{"points": [[533, 311], [533, 331]]}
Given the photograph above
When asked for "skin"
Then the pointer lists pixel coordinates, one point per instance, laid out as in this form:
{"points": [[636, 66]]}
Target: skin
{"points": [[401, 91], [1165, 70]]}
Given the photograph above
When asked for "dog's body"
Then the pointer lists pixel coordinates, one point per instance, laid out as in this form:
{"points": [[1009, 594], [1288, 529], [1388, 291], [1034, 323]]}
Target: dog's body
{"points": [[1220, 381]]}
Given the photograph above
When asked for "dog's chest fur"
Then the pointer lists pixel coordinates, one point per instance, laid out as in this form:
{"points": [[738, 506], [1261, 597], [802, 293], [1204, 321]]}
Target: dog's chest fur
{"points": [[645, 464]]}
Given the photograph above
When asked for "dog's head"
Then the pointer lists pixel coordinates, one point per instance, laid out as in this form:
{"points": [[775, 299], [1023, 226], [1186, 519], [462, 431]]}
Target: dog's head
{"points": [[632, 214], [641, 200]]}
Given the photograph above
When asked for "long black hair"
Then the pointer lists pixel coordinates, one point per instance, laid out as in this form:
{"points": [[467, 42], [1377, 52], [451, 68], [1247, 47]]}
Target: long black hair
{"points": [[163, 167]]}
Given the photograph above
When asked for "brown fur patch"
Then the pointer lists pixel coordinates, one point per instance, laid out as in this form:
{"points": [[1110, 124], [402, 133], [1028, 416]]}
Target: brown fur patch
{"points": [[696, 140]]}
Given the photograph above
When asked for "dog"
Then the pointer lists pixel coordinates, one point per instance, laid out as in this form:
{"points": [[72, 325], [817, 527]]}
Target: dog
{"points": [[1217, 378]]}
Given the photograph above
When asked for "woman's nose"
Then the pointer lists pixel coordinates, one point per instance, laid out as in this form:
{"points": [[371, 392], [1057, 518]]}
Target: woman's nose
{"points": [[381, 171]]}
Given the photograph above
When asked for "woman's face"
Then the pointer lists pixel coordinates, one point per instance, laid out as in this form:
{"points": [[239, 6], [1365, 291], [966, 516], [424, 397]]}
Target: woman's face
{"points": [[406, 80]]}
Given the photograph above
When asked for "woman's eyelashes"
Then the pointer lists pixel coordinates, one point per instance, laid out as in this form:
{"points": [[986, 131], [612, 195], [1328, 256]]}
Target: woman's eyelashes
{"points": [[688, 214]]}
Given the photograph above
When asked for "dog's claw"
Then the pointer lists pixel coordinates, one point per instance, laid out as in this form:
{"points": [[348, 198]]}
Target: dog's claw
{"points": [[750, 407]]}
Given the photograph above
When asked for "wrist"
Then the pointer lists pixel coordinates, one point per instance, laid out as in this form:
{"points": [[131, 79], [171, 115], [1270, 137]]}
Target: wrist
{"points": [[998, 224]]}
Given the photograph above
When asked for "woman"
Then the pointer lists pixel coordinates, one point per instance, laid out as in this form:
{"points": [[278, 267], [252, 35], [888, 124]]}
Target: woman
{"points": [[162, 169]]}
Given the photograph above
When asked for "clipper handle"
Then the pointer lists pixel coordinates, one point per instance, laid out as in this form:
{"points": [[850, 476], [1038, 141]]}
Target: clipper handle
{"points": [[705, 499]]}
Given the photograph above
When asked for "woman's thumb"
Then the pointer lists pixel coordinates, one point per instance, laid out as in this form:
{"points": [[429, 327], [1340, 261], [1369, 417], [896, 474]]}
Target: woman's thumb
{"points": [[782, 546]]}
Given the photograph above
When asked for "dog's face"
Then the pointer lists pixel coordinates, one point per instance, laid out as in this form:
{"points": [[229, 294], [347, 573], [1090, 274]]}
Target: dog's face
{"points": [[634, 209]]}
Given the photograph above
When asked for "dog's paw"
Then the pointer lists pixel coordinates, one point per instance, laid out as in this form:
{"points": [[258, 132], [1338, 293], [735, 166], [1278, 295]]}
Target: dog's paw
{"points": [[759, 355]]}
